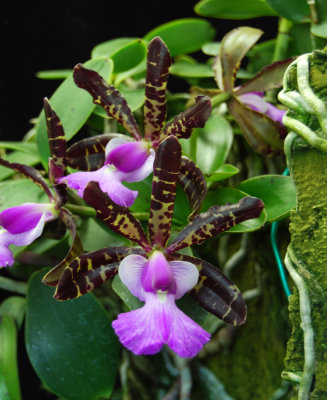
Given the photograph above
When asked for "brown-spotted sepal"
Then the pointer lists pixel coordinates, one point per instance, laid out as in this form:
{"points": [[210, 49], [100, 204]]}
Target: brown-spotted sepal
{"points": [[57, 140], [193, 183], [216, 293], [116, 217], [30, 173], [194, 117], [155, 108], [263, 134], [216, 220], [108, 97], [90, 270], [165, 176], [89, 154], [76, 248]]}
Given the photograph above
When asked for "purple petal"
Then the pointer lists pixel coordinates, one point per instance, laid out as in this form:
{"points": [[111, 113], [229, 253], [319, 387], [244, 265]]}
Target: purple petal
{"points": [[115, 142], [159, 322], [158, 275], [79, 180], [18, 239], [129, 156], [255, 102], [141, 173], [25, 217], [130, 272], [119, 194], [186, 276], [275, 113]]}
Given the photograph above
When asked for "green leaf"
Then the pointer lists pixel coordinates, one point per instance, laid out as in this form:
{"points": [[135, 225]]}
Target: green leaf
{"points": [[131, 301], [16, 192], [23, 147], [223, 172], [294, 10], [277, 192], [231, 195], [8, 359], [126, 53], [15, 306], [211, 48], [320, 28], [54, 74], [183, 36], [72, 105], [213, 144], [188, 70], [233, 9], [71, 345]]}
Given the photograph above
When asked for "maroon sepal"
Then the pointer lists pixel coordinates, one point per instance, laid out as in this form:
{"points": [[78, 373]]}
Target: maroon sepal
{"points": [[89, 154], [155, 107], [116, 217], [90, 270], [194, 117], [30, 173], [165, 176], [216, 293], [216, 220], [57, 142], [193, 183], [53, 276], [107, 97]]}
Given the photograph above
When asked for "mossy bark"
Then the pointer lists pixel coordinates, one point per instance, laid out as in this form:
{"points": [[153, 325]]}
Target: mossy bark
{"points": [[308, 229]]}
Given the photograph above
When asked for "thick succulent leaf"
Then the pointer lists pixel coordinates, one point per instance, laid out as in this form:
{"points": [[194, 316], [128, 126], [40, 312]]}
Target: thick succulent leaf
{"points": [[165, 176], [155, 106], [294, 10], [193, 183], [215, 292], [183, 36], [107, 97], [270, 77], [263, 134], [89, 154], [30, 173], [216, 220], [56, 136], [233, 48], [194, 117], [76, 248], [116, 217], [91, 270], [233, 9]]}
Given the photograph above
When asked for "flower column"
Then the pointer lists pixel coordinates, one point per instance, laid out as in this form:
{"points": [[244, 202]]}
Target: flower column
{"points": [[306, 259]]}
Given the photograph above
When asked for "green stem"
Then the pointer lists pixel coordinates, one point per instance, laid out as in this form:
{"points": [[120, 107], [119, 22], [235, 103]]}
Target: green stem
{"points": [[81, 210], [282, 39], [193, 144], [220, 98], [13, 286]]}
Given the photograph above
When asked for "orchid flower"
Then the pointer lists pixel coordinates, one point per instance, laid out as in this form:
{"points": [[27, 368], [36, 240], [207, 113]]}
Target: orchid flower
{"points": [[156, 272], [259, 120], [21, 225], [125, 161], [129, 161]]}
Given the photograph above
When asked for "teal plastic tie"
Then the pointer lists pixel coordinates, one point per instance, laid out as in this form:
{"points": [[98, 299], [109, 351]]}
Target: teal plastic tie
{"points": [[279, 261]]}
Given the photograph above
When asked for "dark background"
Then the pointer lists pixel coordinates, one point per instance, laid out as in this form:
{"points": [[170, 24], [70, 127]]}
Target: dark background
{"points": [[58, 35]]}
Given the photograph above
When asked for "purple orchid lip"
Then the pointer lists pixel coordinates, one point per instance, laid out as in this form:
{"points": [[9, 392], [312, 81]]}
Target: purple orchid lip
{"points": [[110, 178], [128, 157], [159, 322], [21, 226]]}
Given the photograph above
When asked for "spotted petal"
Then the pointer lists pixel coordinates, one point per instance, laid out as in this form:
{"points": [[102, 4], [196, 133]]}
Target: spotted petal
{"points": [[155, 108], [107, 97], [76, 248], [215, 292], [165, 176], [216, 220], [90, 270], [116, 217]]}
